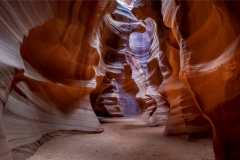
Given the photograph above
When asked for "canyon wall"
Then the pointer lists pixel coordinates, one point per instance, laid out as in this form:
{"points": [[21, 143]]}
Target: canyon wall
{"points": [[207, 33], [52, 77], [169, 62]]}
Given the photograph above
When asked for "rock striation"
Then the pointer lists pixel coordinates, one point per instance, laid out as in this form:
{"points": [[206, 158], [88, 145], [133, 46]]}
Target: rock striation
{"points": [[170, 62], [207, 33], [50, 87]]}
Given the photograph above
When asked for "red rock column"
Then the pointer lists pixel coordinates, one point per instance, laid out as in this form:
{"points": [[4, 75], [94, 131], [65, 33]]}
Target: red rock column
{"points": [[185, 116], [208, 36]]}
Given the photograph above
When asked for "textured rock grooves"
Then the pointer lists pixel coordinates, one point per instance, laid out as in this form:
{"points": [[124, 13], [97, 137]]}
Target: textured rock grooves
{"points": [[209, 57], [169, 62]]}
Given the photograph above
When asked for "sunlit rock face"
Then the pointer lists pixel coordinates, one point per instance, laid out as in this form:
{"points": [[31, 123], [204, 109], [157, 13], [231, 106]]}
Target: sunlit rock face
{"points": [[185, 116], [128, 49], [110, 38], [207, 33], [172, 63]]}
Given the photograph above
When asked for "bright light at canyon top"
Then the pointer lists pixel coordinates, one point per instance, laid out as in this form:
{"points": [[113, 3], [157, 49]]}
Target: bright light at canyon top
{"points": [[127, 3]]}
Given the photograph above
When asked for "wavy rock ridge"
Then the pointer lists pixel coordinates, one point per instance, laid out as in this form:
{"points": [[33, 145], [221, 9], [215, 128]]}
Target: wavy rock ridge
{"points": [[170, 62]]}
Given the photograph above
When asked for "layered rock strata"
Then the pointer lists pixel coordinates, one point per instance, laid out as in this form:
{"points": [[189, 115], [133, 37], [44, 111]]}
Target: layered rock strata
{"points": [[207, 33], [171, 62], [50, 91]]}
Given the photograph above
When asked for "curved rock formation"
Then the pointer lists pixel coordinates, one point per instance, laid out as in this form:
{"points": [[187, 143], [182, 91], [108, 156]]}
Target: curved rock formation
{"points": [[125, 39], [63, 63], [209, 51], [51, 94], [185, 116]]}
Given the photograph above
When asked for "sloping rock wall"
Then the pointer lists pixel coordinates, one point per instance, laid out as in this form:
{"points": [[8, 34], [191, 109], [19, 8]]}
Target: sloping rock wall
{"points": [[207, 33], [170, 62]]}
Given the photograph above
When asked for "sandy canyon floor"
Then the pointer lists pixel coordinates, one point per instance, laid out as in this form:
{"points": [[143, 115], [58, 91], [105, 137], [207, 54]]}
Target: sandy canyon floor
{"points": [[125, 139]]}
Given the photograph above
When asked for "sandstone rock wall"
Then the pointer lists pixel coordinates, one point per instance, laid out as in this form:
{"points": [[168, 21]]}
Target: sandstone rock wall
{"points": [[207, 33], [170, 62], [49, 94]]}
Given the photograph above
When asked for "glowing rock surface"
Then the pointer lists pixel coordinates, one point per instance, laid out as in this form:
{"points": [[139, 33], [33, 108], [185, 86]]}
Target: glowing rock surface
{"points": [[172, 63], [209, 51]]}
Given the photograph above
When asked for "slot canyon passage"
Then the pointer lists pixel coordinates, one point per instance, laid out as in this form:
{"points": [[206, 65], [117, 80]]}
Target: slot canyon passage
{"points": [[120, 79]]}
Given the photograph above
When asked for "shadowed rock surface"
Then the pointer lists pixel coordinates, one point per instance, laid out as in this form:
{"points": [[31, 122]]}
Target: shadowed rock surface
{"points": [[170, 63]]}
